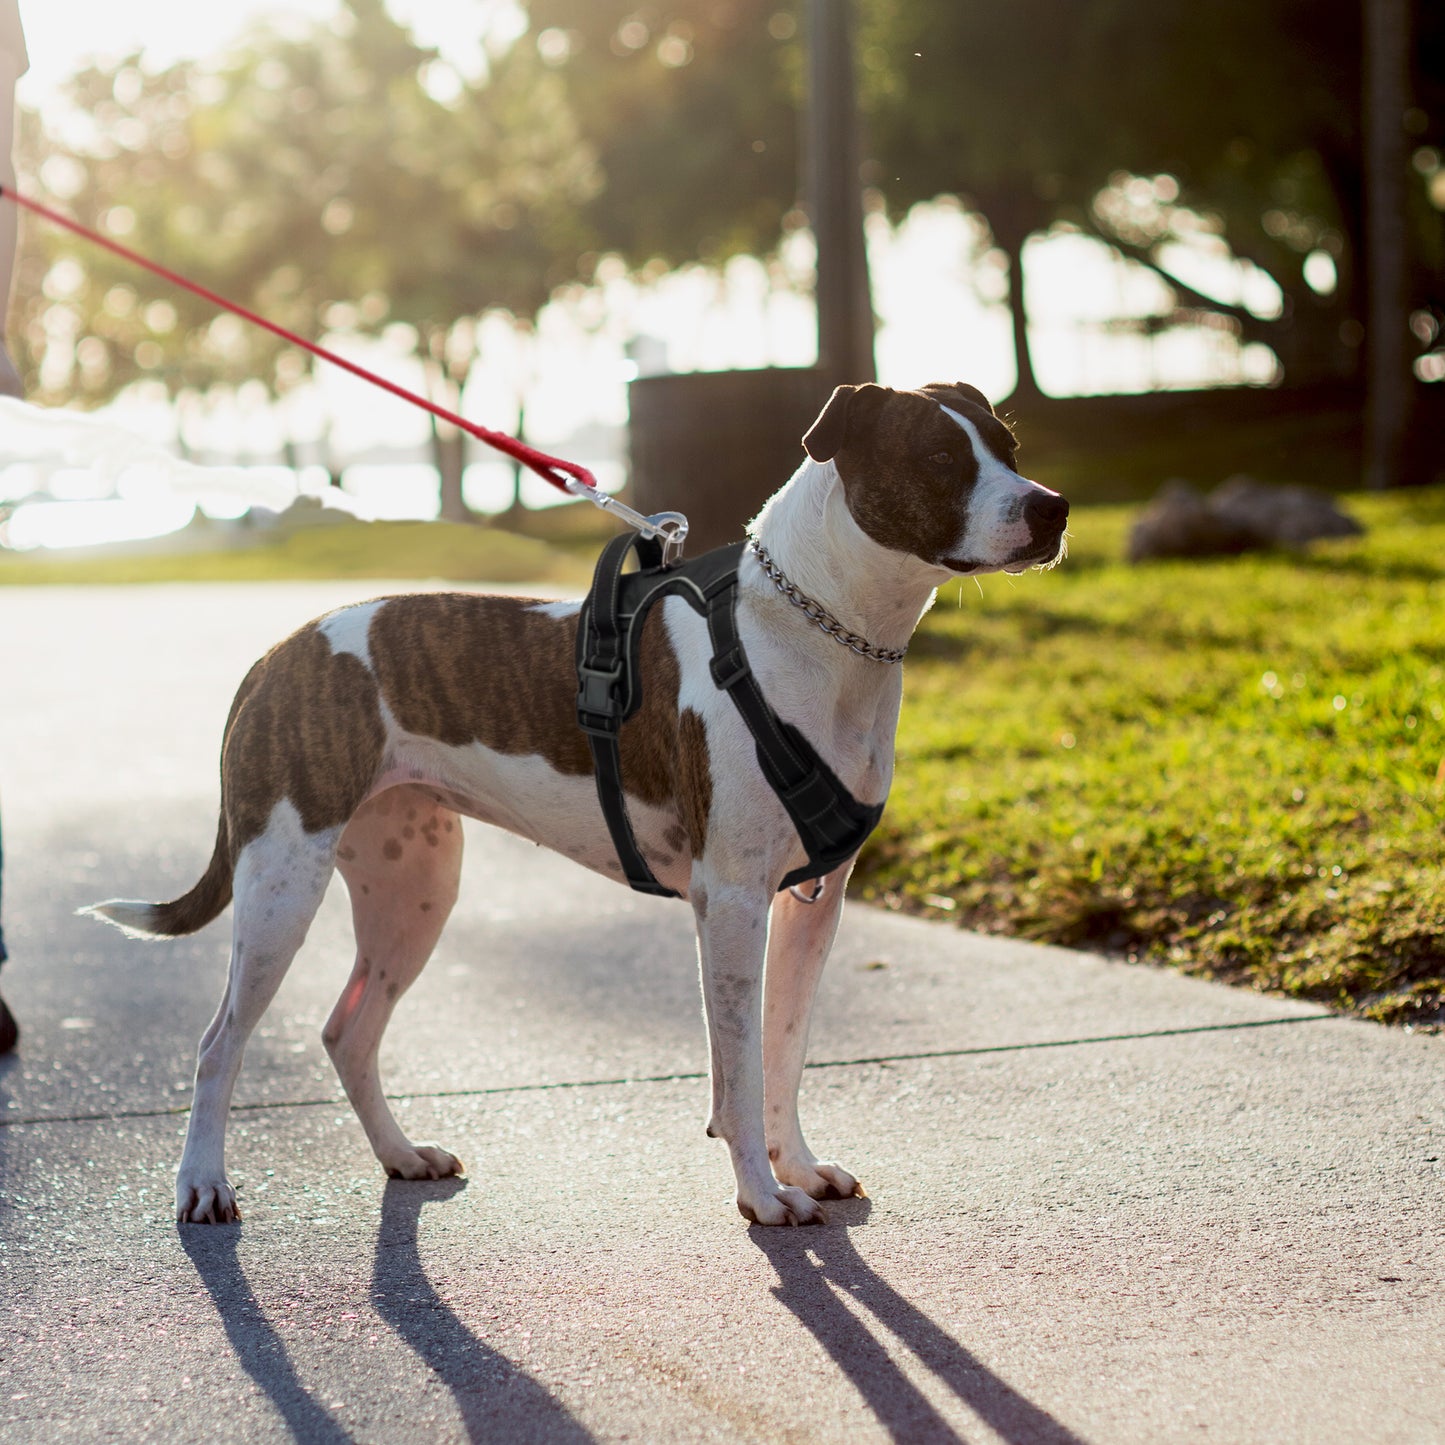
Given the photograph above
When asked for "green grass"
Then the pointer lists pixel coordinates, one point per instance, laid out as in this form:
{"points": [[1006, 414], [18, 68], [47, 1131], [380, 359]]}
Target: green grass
{"points": [[396, 550], [1232, 766]]}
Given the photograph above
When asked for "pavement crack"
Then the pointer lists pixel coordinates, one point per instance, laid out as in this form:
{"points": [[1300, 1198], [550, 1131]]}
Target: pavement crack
{"points": [[863, 1061]]}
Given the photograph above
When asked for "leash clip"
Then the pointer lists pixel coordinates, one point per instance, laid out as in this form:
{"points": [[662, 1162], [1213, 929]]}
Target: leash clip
{"points": [[670, 528]]}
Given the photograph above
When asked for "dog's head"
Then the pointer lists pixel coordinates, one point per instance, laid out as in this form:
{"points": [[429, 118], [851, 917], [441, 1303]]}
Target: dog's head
{"points": [[931, 473]]}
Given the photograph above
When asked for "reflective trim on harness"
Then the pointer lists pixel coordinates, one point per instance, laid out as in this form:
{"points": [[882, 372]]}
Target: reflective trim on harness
{"points": [[831, 823]]}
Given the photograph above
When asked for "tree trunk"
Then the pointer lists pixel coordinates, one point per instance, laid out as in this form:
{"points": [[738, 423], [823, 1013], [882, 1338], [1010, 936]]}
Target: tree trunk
{"points": [[1388, 375], [1011, 242], [449, 457], [845, 308]]}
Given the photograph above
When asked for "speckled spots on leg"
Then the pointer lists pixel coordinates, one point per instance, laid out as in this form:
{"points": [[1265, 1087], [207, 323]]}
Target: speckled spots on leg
{"points": [[391, 849], [392, 989], [426, 907], [346, 854], [408, 832]]}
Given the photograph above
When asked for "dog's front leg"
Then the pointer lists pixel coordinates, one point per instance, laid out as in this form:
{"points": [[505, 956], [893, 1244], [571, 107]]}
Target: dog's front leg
{"points": [[732, 938], [799, 941]]}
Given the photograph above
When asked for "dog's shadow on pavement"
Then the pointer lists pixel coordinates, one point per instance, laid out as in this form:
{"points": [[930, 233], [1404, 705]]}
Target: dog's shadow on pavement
{"points": [[817, 1266], [259, 1347], [497, 1399]]}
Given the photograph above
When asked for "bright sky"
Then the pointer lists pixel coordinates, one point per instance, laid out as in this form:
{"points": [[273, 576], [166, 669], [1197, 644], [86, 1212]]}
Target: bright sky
{"points": [[63, 34]]}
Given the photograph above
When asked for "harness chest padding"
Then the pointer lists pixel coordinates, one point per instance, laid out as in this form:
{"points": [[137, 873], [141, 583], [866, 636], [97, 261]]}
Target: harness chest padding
{"points": [[832, 824]]}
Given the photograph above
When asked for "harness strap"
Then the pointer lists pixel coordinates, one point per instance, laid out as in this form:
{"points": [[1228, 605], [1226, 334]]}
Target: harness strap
{"points": [[606, 697], [831, 824]]}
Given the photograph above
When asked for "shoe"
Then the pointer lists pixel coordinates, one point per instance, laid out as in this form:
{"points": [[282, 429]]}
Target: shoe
{"points": [[9, 1029]]}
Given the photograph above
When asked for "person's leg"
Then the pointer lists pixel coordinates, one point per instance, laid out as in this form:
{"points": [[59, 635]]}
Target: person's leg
{"points": [[9, 1030], [9, 74]]}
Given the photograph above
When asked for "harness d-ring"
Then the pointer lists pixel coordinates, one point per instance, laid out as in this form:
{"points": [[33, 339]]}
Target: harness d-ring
{"points": [[818, 885]]}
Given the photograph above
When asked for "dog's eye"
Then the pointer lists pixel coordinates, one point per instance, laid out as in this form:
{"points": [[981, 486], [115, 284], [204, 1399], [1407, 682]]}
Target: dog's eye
{"points": [[942, 459]]}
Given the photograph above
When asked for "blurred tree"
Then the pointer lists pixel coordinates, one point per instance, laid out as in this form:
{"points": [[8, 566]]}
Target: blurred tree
{"points": [[346, 161], [342, 161], [1154, 122], [1031, 110], [692, 107], [1036, 112]]}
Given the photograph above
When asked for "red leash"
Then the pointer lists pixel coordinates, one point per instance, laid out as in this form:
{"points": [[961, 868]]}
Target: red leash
{"points": [[563, 474]]}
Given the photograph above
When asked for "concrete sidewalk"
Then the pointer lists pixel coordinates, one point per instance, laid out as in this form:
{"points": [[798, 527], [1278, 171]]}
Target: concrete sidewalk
{"points": [[1108, 1204]]}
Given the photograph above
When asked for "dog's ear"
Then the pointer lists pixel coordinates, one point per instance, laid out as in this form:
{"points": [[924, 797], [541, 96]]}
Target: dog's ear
{"points": [[962, 389], [974, 395], [824, 439]]}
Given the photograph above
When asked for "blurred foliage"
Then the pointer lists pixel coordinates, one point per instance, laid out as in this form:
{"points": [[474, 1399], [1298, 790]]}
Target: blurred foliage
{"points": [[1234, 125], [340, 176]]}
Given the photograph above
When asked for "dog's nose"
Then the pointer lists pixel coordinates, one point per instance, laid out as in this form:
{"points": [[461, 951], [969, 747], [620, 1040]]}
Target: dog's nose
{"points": [[1044, 509]]}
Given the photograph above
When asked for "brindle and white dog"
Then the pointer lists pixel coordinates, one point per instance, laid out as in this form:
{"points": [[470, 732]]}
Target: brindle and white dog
{"points": [[357, 742]]}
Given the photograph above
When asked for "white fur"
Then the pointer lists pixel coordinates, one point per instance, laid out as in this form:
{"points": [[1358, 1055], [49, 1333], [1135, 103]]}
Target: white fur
{"points": [[134, 918], [348, 629], [997, 530]]}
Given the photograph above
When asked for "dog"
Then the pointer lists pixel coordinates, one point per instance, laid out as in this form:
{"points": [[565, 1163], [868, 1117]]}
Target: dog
{"points": [[359, 743]]}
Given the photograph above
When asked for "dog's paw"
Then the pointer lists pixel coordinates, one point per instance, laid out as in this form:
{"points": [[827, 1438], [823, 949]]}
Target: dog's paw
{"points": [[780, 1206], [424, 1161], [209, 1201], [820, 1181]]}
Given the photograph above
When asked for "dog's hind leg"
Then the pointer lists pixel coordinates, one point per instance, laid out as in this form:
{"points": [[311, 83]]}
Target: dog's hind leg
{"points": [[799, 940], [281, 877], [401, 857]]}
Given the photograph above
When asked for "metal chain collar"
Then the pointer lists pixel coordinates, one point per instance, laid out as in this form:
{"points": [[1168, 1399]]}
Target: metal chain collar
{"points": [[820, 614]]}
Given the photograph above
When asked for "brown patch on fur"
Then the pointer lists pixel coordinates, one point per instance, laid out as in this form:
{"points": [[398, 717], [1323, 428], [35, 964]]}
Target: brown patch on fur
{"points": [[694, 778], [462, 669], [884, 443], [306, 726], [391, 849]]}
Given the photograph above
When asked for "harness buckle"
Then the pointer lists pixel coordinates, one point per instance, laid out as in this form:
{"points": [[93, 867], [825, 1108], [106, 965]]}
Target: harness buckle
{"points": [[599, 708], [730, 668]]}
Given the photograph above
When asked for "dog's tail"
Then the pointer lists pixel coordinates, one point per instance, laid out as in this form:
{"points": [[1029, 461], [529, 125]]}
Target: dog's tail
{"points": [[185, 914], [212, 892]]}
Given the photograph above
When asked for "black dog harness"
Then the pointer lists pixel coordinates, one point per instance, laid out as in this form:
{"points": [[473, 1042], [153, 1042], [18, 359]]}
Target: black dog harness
{"points": [[831, 822]]}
